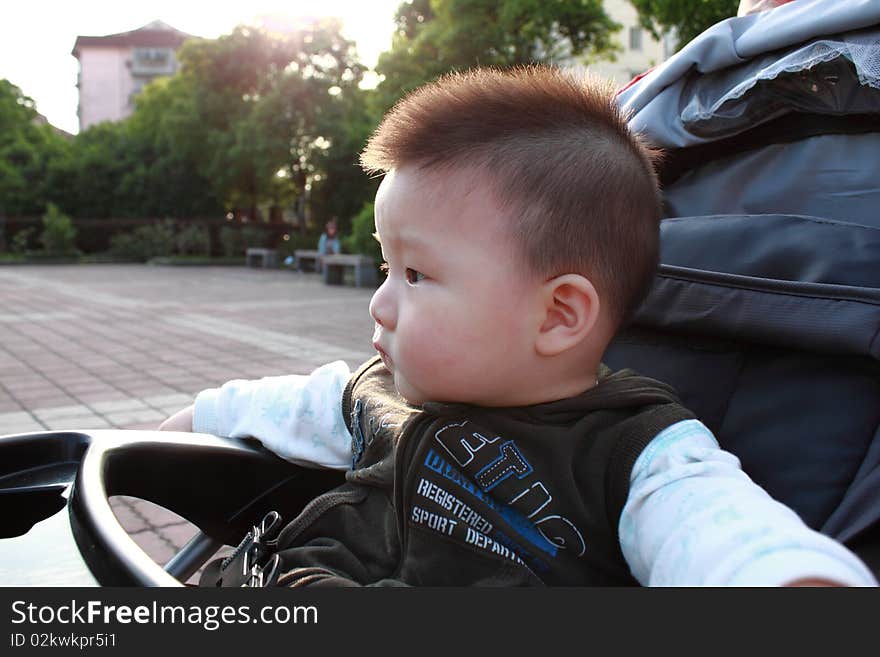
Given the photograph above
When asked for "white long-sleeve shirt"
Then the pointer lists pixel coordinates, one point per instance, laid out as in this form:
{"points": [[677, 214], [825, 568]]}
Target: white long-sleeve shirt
{"points": [[692, 517]]}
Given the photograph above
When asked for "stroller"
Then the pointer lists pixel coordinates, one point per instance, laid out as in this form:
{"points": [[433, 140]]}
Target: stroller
{"points": [[765, 315]]}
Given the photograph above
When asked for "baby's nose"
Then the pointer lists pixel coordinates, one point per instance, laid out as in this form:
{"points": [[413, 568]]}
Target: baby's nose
{"points": [[382, 307]]}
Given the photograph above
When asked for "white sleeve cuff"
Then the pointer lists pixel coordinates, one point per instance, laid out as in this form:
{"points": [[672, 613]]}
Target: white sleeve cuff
{"points": [[205, 418]]}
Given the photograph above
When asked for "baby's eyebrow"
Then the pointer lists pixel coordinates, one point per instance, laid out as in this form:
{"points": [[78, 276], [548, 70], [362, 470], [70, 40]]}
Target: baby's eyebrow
{"points": [[377, 238]]}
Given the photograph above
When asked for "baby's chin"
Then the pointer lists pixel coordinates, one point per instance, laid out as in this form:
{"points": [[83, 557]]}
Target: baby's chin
{"points": [[410, 395], [417, 395]]}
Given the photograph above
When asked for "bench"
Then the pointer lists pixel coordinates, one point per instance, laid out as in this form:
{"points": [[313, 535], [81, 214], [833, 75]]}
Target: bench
{"points": [[261, 258], [307, 260], [354, 268]]}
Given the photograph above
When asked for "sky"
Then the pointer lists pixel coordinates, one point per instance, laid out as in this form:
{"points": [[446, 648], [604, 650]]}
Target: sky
{"points": [[37, 37]]}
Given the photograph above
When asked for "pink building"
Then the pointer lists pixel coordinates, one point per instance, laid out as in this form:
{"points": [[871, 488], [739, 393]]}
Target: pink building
{"points": [[114, 68]]}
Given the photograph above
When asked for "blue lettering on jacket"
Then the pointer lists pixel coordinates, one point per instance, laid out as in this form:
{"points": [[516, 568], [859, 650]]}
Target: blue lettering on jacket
{"points": [[522, 525]]}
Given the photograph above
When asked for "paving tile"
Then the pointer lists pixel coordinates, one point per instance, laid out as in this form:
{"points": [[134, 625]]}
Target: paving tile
{"points": [[84, 388], [15, 417], [60, 369], [168, 411], [178, 534], [123, 374], [127, 515], [9, 407], [120, 352], [103, 365], [192, 390], [157, 516], [22, 385], [108, 393], [78, 423], [8, 428], [47, 401], [142, 426], [156, 547], [125, 418], [61, 411], [163, 401], [143, 390], [118, 405]]}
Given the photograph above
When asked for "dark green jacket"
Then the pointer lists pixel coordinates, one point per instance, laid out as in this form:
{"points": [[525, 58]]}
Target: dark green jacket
{"points": [[457, 495]]}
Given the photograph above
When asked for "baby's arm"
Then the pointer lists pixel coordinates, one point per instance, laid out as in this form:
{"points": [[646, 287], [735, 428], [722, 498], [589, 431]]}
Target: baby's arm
{"points": [[298, 417], [694, 518]]}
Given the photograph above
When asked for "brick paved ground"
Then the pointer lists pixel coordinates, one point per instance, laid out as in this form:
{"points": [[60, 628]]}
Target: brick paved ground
{"points": [[123, 346]]}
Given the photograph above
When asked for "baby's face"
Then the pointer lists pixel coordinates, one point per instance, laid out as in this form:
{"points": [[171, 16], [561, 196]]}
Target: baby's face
{"points": [[455, 318]]}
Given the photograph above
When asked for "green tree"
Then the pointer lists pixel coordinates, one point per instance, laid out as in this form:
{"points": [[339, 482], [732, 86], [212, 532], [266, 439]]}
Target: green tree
{"points": [[166, 177], [340, 188], [257, 107], [27, 146], [436, 36], [687, 17], [131, 168], [253, 118], [87, 182]]}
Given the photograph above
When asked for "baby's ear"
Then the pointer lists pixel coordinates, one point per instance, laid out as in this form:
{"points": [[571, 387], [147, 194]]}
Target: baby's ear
{"points": [[571, 311]]}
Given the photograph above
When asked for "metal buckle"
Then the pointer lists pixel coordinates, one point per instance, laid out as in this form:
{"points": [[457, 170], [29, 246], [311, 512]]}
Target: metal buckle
{"points": [[267, 575], [254, 562]]}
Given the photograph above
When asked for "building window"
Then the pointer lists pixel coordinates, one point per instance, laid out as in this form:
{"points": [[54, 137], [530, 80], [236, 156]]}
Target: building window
{"points": [[635, 38], [152, 61]]}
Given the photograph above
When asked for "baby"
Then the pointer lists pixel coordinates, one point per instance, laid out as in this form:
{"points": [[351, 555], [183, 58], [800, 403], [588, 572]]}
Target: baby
{"points": [[486, 443]]}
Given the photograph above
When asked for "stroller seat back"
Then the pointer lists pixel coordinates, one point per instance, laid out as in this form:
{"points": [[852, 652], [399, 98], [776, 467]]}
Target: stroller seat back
{"points": [[765, 314]]}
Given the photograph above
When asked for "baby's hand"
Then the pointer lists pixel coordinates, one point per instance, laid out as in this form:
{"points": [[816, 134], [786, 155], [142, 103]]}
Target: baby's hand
{"points": [[182, 420]]}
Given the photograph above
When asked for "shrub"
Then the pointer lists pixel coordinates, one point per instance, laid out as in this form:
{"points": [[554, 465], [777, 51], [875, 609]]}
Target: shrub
{"points": [[21, 240], [255, 237], [234, 240], [59, 234], [146, 242], [361, 239], [194, 239]]}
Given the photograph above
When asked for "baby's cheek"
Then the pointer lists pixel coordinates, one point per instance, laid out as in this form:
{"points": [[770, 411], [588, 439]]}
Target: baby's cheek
{"points": [[428, 348], [430, 357]]}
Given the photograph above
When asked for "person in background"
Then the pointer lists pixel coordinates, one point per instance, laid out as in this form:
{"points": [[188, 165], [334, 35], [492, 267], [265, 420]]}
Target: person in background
{"points": [[329, 243]]}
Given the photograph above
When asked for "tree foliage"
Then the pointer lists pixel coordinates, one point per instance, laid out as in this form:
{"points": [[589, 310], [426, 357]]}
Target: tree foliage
{"points": [[254, 118], [27, 148], [262, 118], [687, 17], [259, 112], [436, 36]]}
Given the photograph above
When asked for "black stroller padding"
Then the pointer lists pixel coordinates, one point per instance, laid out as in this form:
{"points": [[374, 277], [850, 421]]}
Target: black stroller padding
{"points": [[767, 325]]}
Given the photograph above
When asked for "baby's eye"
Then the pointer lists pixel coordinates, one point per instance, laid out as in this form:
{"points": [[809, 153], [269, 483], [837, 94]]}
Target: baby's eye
{"points": [[384, 268], [413, 276]]}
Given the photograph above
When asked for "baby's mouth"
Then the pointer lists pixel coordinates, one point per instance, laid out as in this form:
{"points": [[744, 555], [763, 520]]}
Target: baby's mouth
{"points": [[386, 359]]}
